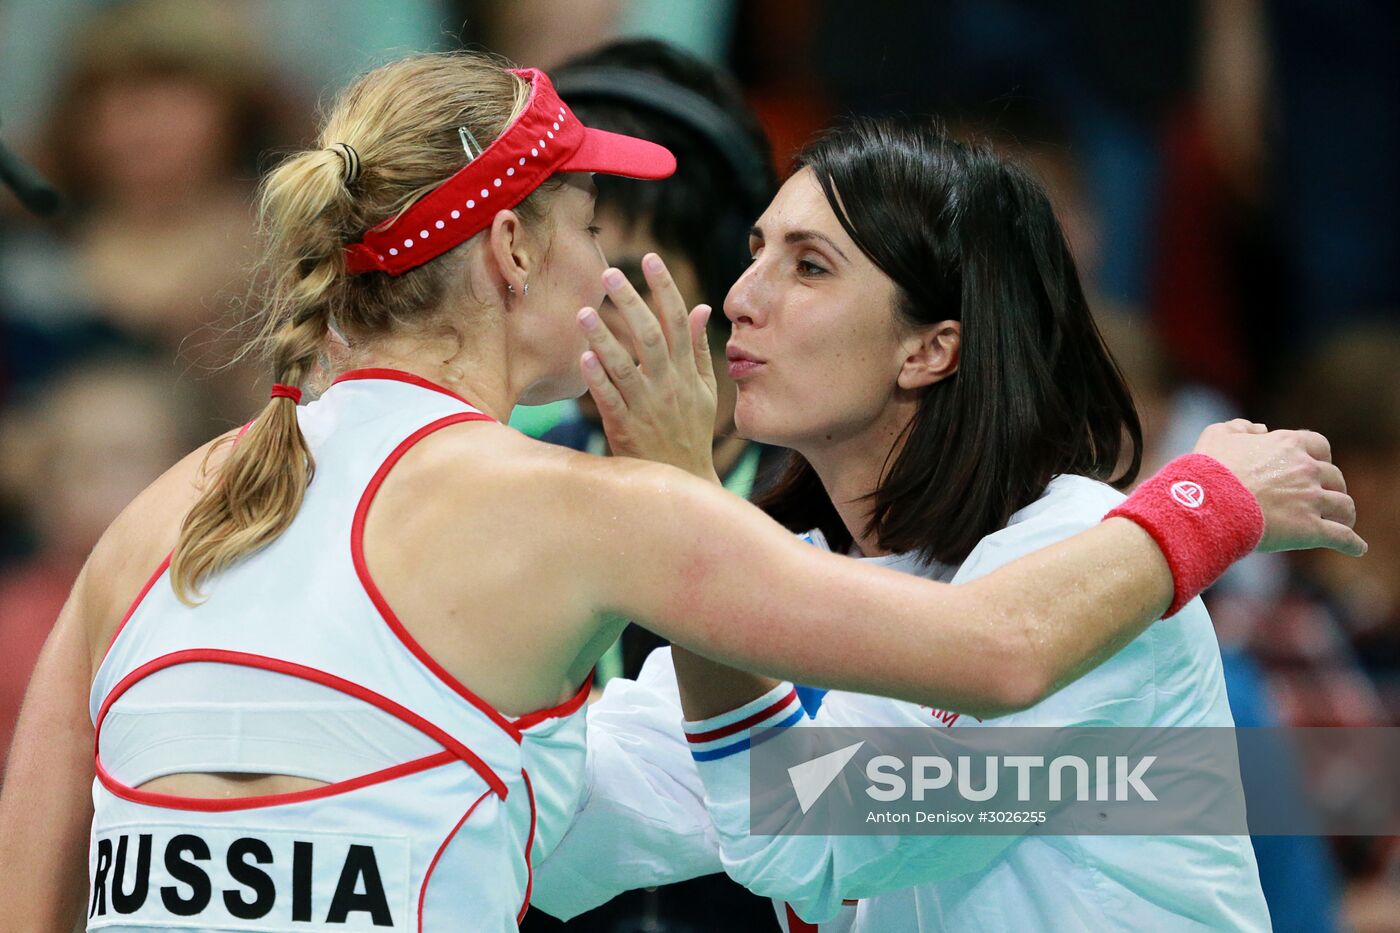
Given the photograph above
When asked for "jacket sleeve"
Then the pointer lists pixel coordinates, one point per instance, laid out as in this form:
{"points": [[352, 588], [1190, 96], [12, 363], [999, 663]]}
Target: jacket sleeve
{"points": [[813, 873], [642, 819]]}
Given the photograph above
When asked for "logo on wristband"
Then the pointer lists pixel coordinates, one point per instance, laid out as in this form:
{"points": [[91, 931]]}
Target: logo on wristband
{"points": [[1188, 494]]}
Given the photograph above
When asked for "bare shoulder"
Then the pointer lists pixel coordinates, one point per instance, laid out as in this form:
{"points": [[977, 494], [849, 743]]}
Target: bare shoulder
{"points": [[136, 543], [495, 489], [473, 462]]}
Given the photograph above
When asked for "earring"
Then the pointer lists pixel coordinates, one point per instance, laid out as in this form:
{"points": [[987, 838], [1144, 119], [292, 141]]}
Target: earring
{"points": [[524, 289]]}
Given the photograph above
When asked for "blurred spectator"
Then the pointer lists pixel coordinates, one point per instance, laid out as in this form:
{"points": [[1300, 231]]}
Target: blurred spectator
{"points": [[1173, 410], [1328, 642], [1337, 77], [538, 33], [1298, 873], [543, 34], [88, 443], [777, 59], [154, 138], [1349, 389]]}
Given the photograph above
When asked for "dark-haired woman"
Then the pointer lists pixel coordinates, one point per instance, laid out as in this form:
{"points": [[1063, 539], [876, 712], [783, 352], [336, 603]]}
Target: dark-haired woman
{"points": [[913, 328]]}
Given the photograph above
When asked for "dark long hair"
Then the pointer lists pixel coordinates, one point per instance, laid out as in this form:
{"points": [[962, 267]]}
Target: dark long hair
{"points": [[967, 236]]}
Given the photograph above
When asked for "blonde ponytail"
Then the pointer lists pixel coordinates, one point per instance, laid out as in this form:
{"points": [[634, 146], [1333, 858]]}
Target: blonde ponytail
{"points": [[258, 489], [399, 123]]}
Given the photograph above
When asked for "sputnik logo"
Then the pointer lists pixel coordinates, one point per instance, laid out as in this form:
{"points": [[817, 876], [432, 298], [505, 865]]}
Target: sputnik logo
{"points": [[811, 778], [1188, 494]]}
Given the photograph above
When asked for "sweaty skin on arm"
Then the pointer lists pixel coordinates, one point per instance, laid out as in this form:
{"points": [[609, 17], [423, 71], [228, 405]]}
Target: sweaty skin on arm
{"points": [[712, 573]]}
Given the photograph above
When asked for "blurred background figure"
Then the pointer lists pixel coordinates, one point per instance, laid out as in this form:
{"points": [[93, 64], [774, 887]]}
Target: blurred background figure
{"points": [[157, 126], [156, 135], [1325, 644], [1328, 639], [1227, 171], [71, 458]]}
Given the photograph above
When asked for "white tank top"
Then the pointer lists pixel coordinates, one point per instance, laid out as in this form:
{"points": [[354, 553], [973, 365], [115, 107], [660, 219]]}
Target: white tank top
{"points": [[435, 803]]}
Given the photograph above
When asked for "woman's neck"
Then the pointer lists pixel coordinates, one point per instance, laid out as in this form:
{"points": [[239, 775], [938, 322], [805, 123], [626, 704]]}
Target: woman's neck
{"points": [[850, 470], [481, 379]]}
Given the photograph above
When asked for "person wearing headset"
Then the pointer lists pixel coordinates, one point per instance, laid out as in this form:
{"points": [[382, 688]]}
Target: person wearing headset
{"points": [[697, 220]]}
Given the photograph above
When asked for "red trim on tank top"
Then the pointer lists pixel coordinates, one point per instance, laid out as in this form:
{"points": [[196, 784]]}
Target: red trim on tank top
{"points": [[140, 597], [567, 708], [398, 375], [512, 727], [423, 891], [529, 846], [357, 553], [164, 566], [261, 662]]}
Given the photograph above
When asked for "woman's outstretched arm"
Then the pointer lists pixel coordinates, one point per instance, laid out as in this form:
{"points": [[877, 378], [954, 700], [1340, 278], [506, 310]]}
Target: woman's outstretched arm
{"points": [[713, 574]]}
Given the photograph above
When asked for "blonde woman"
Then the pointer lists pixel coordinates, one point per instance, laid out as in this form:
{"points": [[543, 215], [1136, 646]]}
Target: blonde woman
{"points": [[351, 695]]}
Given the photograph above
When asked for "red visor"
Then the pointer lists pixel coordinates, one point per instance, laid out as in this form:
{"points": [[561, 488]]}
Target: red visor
{"points": [[546, 138]]}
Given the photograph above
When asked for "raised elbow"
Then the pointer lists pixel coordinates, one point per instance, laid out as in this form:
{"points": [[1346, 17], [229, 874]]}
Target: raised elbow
{"points": [[1019, 678], [1018, 688]]}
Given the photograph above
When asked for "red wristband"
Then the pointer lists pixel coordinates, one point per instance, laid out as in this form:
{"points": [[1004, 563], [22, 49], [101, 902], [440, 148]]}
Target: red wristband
{"points": [[1201, 516]]}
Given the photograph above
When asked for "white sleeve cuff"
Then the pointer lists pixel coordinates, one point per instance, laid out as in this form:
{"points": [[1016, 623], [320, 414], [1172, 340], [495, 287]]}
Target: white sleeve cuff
{"points": [[730, 733]]}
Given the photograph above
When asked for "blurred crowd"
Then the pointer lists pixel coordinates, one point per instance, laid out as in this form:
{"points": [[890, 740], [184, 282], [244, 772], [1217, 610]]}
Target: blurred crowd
{"points": [[1228, 172]]}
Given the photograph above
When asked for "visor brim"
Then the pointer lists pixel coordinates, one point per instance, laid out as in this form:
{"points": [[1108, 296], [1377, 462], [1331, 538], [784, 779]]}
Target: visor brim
{"points": [[615, 154]]}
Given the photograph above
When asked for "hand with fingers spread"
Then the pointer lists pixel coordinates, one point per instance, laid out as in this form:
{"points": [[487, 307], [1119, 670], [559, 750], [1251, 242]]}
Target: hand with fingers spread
{"points": [[657, 400], [1301, 492]]}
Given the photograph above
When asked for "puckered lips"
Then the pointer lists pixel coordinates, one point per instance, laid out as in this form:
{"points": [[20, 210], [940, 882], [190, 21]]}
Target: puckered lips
{"points": [[741, 362]]}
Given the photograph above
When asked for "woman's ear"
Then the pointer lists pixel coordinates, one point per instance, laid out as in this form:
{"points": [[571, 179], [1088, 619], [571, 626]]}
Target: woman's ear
{"points": [[931, 354], [509, 252]]}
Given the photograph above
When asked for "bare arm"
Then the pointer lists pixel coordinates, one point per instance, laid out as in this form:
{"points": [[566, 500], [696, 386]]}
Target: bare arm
{"points": [[715, 575], [663, 410], [46, 807]]}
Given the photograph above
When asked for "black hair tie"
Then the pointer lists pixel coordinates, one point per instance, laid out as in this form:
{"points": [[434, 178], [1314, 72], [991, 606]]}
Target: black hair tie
{"points": [[351, 158]]}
